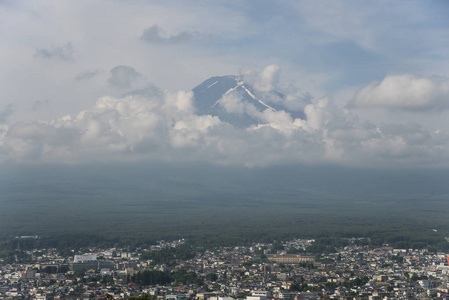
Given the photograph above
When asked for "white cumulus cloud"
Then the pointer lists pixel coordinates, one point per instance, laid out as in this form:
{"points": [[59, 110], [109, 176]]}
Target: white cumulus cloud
{"points": [[163, 126], [123, 76], [404, 92], [263, 81]]}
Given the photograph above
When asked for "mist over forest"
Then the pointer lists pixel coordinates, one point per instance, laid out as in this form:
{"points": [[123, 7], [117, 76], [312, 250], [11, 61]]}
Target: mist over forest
{"points": [[213, 203]]}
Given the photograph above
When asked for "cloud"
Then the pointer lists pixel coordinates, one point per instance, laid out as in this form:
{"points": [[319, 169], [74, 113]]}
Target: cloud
{"points": [[7, 111], [87, 75], [232, 103], [33, 141], [190, 132], [281, 121], [263, 81], [37, 105], [64, 52], [153, 35], [163, 126], [268, 78], [315, 113], [404, 143], [123, 76], [404, 92]]}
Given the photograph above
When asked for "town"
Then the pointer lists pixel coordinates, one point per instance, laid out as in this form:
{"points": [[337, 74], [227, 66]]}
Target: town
{"points": [[175, 270]]}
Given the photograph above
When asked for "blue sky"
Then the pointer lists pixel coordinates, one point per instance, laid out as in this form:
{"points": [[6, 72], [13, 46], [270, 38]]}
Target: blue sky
{"points": [[369, 67]]}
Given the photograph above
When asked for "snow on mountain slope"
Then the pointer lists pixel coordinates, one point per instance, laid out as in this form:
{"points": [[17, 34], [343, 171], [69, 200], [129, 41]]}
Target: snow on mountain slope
{"points": [[234, 101]]}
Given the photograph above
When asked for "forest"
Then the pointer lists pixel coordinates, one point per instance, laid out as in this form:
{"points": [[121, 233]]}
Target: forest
{"points": [[71, 207]]}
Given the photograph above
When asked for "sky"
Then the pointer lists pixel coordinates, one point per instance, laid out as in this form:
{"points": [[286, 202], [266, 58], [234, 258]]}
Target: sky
{"points": [[107, 81]]}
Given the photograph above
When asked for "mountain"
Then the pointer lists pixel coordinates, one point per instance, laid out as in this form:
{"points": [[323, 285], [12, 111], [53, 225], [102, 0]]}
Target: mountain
{"points": [[235, 101]]}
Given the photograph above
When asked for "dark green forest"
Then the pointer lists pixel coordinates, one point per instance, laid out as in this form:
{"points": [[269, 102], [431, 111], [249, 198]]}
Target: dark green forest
{"points": [[79, 206]]}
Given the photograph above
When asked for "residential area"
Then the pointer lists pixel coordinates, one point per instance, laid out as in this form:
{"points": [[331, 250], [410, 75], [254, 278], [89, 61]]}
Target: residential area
{"points": [[281, 270]]}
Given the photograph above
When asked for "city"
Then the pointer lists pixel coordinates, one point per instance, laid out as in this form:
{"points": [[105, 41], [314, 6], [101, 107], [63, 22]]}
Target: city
{"points": [[279, 270]]}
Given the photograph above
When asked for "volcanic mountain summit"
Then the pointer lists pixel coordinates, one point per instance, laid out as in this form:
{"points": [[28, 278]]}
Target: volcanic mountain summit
{"points": [[235, 101]]}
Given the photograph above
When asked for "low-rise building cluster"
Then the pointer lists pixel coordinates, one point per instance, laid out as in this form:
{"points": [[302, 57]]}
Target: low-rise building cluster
{"points": [[256, 272]]}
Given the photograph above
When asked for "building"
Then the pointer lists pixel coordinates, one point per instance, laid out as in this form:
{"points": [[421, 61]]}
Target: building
{"points": [[291, 258], [85, 257]]}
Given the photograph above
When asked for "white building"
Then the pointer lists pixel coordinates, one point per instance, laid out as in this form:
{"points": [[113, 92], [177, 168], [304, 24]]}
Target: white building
{"points": [[85, 257]]}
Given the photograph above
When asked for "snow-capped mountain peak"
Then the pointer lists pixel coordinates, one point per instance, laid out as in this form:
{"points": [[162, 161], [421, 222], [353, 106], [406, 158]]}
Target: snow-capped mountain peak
{"points": [[234, 101]]}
